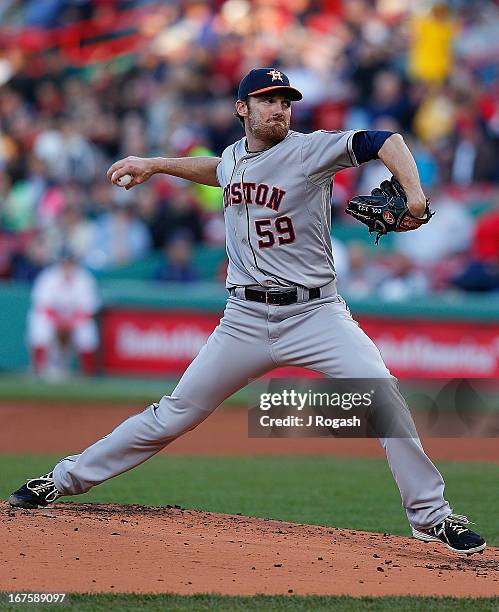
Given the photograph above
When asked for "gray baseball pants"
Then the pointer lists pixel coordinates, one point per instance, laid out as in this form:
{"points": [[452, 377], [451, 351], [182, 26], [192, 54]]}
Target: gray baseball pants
{"points": [[252, 339]]}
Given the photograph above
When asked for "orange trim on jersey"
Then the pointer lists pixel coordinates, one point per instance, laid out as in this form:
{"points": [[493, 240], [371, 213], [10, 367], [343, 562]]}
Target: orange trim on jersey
{"points": [[258, 91]]}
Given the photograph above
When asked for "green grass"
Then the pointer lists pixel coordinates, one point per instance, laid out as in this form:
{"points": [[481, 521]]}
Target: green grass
{"points": [[355, 493], [209, 603], [105, 389], [341, 492], [21, 387]]}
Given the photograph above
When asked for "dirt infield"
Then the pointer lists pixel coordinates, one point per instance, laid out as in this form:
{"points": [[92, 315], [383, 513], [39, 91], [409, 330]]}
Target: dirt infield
{"points": [[106, 548], [109, 548], [61, 428]]}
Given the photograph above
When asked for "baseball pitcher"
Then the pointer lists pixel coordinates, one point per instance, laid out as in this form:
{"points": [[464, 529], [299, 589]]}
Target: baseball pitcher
{"points": [[283, 308]]}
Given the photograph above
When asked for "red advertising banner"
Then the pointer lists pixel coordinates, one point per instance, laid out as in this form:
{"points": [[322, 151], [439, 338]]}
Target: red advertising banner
{"points": [[153, 342], [165, 342], [436, 349]]}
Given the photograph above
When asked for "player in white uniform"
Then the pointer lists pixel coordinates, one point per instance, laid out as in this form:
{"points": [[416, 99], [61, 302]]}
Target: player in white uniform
{"points": [[283, 307], [64, 301]]}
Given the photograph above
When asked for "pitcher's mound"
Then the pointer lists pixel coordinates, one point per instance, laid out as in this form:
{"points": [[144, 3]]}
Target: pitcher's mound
{"points": [[111, 548]]}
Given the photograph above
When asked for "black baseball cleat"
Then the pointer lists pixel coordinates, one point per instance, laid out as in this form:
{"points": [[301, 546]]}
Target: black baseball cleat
{"points": [[454, 534], [36, 493]]}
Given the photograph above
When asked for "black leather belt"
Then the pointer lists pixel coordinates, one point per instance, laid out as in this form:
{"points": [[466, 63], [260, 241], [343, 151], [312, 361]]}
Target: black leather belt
{"points": [[277, 297]]}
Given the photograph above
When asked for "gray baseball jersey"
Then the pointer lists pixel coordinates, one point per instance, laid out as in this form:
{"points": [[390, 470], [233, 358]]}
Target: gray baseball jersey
{"points": [[277, 211], [277, 206]]}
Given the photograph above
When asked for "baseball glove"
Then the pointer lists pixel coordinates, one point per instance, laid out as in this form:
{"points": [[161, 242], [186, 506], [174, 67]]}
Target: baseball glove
{"points": [[386, 210], [64, 335]]}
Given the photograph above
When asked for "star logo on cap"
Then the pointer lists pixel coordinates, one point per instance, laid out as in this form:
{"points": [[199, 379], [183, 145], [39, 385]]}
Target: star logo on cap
{"points": [[275, 74]]}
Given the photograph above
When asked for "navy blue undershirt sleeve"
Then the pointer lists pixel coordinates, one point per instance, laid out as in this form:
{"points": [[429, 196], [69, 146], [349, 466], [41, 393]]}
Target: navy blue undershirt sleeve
{"points": [[367, 144]]}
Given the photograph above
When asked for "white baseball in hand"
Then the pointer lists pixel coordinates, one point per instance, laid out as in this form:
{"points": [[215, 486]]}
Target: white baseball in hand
{"points": [[124, 180]]}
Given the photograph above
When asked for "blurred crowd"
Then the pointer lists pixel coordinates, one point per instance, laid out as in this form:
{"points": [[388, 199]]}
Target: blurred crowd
{"points": [[429, 72]]}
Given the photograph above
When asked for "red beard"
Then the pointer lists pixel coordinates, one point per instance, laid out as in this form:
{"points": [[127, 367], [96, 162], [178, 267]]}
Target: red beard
{"points": [[272, 132]]}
